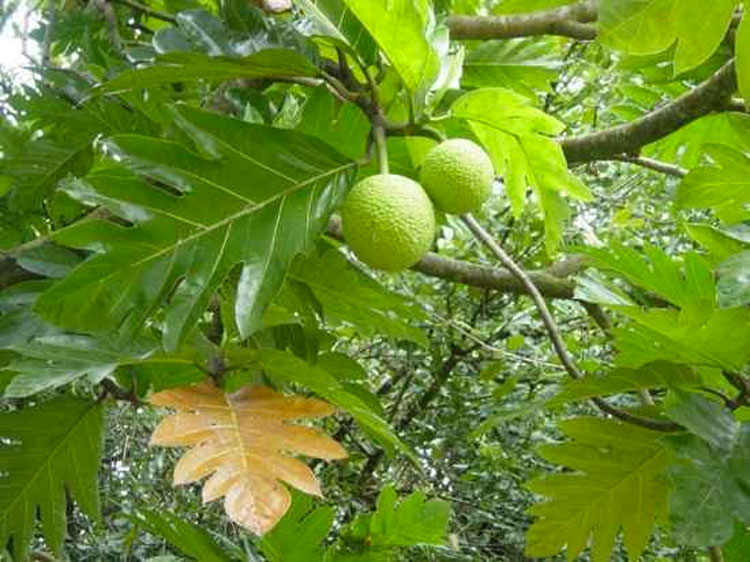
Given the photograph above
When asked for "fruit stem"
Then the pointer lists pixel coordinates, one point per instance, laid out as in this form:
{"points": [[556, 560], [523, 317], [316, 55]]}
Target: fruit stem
{"points": [[381, 147]]}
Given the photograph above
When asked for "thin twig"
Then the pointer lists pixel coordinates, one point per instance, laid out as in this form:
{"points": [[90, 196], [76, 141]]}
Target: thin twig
{"points": [[112, 24], [651, 164], [553, 331], [147, 10], [715, 553], [47, 41]]}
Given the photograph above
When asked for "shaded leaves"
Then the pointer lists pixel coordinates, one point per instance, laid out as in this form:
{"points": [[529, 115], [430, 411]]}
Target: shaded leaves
{"points": [[46, 452]]}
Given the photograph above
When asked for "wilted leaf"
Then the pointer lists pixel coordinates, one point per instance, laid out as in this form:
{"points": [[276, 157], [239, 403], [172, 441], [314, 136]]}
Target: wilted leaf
{"points": [[242, 440]]}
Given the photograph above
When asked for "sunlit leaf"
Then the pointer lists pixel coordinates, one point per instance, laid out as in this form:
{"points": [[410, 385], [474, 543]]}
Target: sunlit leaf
{"points": [[263, 198], [519, 139]]}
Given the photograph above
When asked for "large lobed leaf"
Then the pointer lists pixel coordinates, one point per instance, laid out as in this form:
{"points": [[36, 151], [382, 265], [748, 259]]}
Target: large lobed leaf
{"points": [[402, 30], [711, 489], [263, 197], [414, 520], [696, 335], [46, 452], [298, 536], [334, 21], [189, 538], [183, 66], [520, 141], [644, 27], [723, 185], [521, 65], [617, 482], [242, 440], [347, 294], [679, 282]]}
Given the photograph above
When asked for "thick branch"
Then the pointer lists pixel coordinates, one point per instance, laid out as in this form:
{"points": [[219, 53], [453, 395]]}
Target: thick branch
{"points": [[711, 95], [569, 21], [551, 282]]}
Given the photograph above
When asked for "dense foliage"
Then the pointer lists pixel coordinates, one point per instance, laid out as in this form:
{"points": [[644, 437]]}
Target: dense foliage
{"points": [[565, 374]]}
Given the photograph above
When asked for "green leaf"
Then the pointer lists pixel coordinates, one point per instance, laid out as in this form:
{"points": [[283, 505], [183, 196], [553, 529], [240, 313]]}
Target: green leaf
{"points": [[718, 241], [38, 168], [298, 536], [345, 128], [742, 50], [181, 67], [705, 418], [348, 294], [521, 65], [660, 374], [47, 451], [187, 537], [333, 20], [681, 283], [49, 260], [723, 184], [738, 549], [733, 287], [263, 198], [686, 145], [410, 522], [710, 490], [285, 367], [617, 482], [695, 336], [519, 140], [642, 27], [402, 30]]}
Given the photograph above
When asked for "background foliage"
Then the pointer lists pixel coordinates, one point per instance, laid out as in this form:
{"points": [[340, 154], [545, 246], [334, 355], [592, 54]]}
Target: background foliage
{"points": [[170, 172]]}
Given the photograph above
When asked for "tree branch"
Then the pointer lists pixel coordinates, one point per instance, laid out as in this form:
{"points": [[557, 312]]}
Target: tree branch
{"points": [[551, 282], [568, 21], [110, 17], [150, 12], [711, 95], [554, 332], [651, 164]]}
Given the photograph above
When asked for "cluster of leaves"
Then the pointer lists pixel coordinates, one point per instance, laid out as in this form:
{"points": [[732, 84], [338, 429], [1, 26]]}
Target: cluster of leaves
{"points": [[169, 199]]}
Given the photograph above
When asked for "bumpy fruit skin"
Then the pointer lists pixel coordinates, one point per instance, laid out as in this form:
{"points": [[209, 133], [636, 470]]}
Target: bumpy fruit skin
{"points": [[457, 174], [388, 222]]}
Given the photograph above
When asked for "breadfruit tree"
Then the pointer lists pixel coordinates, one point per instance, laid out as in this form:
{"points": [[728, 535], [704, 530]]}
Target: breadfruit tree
{"points": [[396, 279]]}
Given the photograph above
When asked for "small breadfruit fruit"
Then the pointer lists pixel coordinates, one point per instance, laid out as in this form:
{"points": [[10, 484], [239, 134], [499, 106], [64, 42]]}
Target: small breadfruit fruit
{"points": [[457, 175], [388, 222]]}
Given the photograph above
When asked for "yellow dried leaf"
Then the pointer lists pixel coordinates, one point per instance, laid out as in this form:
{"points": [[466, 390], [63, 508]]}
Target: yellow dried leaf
{"points": [[244, 441]]}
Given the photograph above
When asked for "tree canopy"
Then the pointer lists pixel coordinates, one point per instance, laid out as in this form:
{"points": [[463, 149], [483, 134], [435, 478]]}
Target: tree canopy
{"points": [[565, 374]]}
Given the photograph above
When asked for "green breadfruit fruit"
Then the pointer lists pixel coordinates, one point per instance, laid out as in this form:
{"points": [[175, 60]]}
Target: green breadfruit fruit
{"points": [[388, 222], [457, 175]]}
